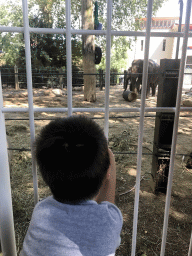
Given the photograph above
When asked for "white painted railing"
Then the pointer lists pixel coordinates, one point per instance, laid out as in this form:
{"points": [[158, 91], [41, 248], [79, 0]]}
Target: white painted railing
{"points": [[175, 128], [6, 215]]}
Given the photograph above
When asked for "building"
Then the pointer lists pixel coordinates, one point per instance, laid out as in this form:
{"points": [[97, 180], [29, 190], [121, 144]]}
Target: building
{"points": [[160, 47], [163, 47]]}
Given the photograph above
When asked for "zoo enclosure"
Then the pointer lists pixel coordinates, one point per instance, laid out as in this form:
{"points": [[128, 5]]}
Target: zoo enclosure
{"points": [[6, 215], [15, 77], [51, 77]]}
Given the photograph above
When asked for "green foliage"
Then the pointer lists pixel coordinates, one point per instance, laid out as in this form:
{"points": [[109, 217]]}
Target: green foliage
{"points": [[126, 15], [10, 42], [50, 50], [10, 45], [11, 14], [119, 53], [46, 49]]}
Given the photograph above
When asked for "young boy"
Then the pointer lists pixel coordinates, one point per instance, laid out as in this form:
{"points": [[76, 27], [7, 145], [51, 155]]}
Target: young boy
{"points": [[80, 219]]}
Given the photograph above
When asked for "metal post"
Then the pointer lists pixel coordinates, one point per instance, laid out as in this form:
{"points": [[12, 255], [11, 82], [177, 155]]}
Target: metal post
{"points": [[107, 74], [179, 28], [30, 95], [175, 128], [101, 79], [141, 125], [190, 247], [6, 214], [125, 80], [167, 93], [68, 53], [16, 78], [61, 78]]}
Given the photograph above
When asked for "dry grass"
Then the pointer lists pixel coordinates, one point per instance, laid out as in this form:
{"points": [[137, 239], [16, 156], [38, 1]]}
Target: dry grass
{"points": [[122, 137]]}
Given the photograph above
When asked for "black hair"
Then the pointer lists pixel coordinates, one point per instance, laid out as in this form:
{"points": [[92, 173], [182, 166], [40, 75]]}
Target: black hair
{"points": [[72, 154]]}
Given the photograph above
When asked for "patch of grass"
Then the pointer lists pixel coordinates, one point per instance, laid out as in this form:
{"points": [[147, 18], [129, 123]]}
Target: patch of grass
{"points": [[12, 130], [22, 194], [123, 136]]}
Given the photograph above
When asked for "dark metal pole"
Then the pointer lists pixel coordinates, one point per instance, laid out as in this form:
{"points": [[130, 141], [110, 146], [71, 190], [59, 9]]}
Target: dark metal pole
{"points": [[179, 28]]}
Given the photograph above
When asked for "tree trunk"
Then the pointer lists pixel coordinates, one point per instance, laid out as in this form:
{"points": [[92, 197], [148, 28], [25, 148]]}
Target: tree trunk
{"points": [[88, 46]]}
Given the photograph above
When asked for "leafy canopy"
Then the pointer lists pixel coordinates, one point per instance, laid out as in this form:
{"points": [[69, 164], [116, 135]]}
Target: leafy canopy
{"points": [[49, 50]]}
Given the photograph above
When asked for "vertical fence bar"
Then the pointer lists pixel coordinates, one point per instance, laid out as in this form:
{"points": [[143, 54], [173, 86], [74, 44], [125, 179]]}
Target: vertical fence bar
{"points": [[107, 74], [6, 216], [175, 128], [141, 125], [7, 234], [30, 95], [190, 247], [68, 54]]}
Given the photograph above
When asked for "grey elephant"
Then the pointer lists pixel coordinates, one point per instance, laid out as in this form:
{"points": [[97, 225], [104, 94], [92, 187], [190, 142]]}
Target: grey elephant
{"points": [[135, 78]]}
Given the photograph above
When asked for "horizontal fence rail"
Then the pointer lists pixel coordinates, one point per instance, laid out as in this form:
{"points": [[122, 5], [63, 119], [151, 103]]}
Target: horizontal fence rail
{"points": [[102, 110], [6, 215], [57, 77], [92, 32]]}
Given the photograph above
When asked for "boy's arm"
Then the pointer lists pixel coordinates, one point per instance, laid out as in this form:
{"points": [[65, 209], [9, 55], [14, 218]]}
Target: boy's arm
{"points": [[107, 191]]}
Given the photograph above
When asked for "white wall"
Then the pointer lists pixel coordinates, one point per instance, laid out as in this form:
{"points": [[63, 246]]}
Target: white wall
{"points": [[156, 52], [156, 48]]}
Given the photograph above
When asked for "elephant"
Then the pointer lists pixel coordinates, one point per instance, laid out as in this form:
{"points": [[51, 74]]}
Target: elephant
{"points": [[127, 78], [135, 77], [153, 77]]}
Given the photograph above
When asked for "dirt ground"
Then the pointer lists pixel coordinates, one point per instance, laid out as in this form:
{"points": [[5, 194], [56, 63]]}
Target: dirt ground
{"points": [[123, 137]]}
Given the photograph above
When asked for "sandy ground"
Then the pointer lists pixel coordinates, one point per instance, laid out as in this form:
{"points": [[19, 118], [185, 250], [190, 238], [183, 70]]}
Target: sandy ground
{"points": [[123, 138]]}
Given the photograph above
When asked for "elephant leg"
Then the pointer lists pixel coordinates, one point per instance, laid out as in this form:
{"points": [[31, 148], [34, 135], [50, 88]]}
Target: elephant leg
{"points": [[134, 88], [131, 87], [153, 89], [126, 83], [133, 84], [148, 90], [138, 85]]}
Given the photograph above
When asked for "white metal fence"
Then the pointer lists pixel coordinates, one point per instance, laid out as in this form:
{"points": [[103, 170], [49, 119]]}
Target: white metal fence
{"points": [[6, 215]]}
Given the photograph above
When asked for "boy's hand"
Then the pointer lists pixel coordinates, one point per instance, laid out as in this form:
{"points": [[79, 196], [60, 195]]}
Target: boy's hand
{"points": [[107, 191], [112, 167]]}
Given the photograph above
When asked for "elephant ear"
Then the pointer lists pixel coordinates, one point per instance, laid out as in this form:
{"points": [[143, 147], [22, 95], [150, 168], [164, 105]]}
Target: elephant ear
{"points": [[98, 55]]}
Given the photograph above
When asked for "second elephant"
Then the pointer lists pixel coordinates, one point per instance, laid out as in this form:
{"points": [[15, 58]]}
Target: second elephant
{"points": [[136, 76]]}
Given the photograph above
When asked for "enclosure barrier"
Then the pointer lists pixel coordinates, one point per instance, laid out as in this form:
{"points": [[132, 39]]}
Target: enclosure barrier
{"points": [[6, 215], [141, 124], [56, 79], [175, 127]]}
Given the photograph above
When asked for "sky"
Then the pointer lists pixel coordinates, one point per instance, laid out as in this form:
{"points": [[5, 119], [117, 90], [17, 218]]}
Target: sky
{"points": [[171, 8]]}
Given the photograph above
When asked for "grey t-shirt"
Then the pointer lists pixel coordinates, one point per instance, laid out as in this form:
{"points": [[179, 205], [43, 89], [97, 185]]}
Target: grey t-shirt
{"points": [[85, 229]]}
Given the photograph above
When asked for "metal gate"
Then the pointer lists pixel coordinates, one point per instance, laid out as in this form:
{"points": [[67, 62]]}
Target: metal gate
{"points": [[6, 215]]}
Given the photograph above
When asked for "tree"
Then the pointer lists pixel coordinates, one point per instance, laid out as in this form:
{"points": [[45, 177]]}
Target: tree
{"points": [[88, 46], [10, 42], [51, 13], [125, 16], [46, 49]]}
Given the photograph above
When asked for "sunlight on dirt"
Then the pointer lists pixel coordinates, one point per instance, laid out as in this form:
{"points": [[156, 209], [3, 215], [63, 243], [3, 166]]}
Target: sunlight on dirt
{"points": [[123, 138]]}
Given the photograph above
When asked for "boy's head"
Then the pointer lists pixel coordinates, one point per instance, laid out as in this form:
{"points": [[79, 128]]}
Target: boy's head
{"points": [[72, 154]]}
